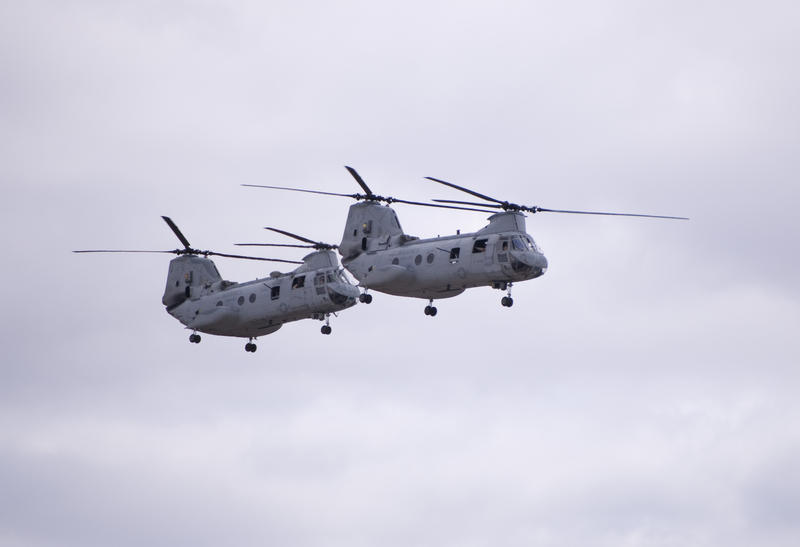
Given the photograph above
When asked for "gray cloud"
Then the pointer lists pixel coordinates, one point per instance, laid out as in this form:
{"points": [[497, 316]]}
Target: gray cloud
{"points": [[642, 392]]}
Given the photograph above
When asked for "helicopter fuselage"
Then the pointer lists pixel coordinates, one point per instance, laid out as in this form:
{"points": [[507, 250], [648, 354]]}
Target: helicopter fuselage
{"points": [[443, 267], [261, 307]]}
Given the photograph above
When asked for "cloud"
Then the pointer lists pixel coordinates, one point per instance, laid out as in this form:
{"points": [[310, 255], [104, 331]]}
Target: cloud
{"points": [[640, 393]]}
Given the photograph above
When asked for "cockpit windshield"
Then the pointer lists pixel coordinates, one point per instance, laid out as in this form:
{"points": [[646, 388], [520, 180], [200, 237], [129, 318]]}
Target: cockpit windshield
{"points": [[523, 243]]}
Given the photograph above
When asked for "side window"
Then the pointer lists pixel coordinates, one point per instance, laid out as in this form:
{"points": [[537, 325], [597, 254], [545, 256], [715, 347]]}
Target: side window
{"points": [[430, 258], [503, 245], [479, 246], [454, 254], [319, 279], [329, 276], [418, 260], [240, 301], [275, 292], [299, 282], [395, 261]]}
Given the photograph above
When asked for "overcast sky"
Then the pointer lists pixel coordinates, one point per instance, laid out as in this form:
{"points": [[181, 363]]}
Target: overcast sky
{"points": [[641, 393]]}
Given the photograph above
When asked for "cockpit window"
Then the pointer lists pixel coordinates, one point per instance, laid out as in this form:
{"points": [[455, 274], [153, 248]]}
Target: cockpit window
{"points": [[299, 282], [532, 244], [518, 244], [330, 277]]}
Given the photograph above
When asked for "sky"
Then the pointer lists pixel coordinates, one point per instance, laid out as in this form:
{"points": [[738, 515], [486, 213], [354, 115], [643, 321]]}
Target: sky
{"points": [[641, 393]]}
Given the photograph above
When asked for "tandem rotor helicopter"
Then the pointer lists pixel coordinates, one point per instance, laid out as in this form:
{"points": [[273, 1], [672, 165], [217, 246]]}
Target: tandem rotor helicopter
{"points": [[198, 297], [383, 258]]}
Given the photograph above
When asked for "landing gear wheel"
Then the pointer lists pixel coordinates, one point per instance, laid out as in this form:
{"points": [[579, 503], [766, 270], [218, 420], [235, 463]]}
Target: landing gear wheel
{"points": [[430, 310], [326, 329], [365, 298], [250, 347], [194, 338], [507, 301]]}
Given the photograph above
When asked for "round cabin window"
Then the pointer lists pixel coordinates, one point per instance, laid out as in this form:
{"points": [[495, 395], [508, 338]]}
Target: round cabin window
{"points": [[252, 298], [241, 300], [418, 260], [430, 258]]}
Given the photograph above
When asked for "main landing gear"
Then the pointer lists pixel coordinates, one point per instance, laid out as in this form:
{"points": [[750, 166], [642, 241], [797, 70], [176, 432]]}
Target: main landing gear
{"points": [[430, 309], [250, 347], [365, 298], [194, 338], [326, 328]]}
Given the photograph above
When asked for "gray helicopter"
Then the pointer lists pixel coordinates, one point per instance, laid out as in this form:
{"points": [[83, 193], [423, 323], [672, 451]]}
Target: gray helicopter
{"points": [[198, 297], [383, 258]]}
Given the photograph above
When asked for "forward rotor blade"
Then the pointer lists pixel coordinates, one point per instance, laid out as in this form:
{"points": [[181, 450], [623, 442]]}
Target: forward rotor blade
{"points": [[300, 190], [274, 245], [543, 210], [177, 232], [123, 251], [359, 180], [394, 200], [467, 190], [294, 236], [469, 203], [212, 253]]}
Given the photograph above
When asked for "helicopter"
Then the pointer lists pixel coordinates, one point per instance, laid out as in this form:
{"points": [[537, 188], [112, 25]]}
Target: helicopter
{"points": [[383, 258], [198, 297]]}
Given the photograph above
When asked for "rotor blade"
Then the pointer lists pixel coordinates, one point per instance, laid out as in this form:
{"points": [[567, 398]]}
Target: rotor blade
{"points": [[178, 233], [467, 190], [274, 245], [469, 203], [300, 190], [212, 253], [122, 251], [290, 234], [359, 180], [541, 209], [394, 200]]}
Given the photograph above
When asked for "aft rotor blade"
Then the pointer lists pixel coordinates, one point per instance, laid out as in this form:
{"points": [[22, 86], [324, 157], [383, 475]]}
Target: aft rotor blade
{"points": [[469, 203], [394, 200], [541, 209], [177, 232], [274, 245], [290, 234], [467, 190], [300, 190], [123, 251], [359, 180], [212, 253]]}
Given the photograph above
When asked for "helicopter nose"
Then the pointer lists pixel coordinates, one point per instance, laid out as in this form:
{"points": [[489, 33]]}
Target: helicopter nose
{"points": [[343, 294], [351, 291], [536, 262], [542, 262]]}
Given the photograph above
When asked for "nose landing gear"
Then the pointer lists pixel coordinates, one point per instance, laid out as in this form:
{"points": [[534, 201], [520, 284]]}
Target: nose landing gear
{"points": [[507, 301], [430, 309], [326, 328]]}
